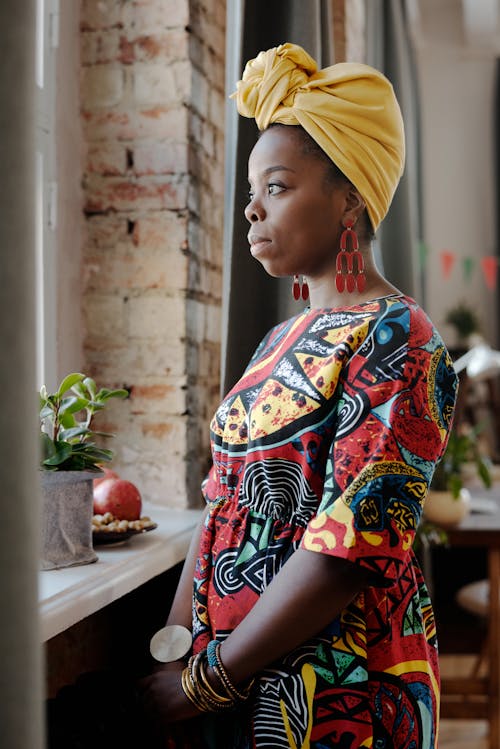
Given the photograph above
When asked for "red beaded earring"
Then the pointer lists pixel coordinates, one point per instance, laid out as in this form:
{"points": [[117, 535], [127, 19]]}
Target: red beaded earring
{"points": [[299, 290], [305, 289], [347, 276]]}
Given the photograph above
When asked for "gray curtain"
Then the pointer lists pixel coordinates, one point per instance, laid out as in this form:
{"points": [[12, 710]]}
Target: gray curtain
{"points": [[253, 301], [389, 49], [20, 651]]}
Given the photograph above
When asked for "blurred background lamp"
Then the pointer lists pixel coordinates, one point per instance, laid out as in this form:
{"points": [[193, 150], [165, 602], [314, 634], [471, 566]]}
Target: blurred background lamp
{"points": [[481, 362]]}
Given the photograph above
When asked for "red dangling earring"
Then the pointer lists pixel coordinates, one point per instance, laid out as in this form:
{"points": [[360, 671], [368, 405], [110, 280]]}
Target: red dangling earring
{"points": [[305, 289], [347, 276], [300, 290]]}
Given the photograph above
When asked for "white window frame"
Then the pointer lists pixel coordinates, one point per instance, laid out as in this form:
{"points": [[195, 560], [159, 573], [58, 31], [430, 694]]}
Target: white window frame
{"points": [[47, 40]]}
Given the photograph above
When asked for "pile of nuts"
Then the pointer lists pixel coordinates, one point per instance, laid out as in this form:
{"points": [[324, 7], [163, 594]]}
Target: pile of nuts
{"points": [[108, 523]]}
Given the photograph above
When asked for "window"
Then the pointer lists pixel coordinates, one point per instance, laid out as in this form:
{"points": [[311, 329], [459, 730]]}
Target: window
{"points": [[47, 17]]}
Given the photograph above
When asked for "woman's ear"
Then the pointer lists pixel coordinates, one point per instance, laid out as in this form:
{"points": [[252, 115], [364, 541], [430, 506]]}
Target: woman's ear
{"points": [[355, 205]]}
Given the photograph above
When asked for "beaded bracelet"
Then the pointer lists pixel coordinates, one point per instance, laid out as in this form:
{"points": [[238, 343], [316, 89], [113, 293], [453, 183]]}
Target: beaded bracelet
{"points": [[212, 658], [223, 675]]}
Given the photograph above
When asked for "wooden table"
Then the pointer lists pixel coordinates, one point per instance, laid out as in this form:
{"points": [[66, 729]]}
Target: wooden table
{"points": [[481, 695]]}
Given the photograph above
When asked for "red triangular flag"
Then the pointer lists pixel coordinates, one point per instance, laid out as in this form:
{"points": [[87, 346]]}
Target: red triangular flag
{"points": [[489, 267], [447, 262]]}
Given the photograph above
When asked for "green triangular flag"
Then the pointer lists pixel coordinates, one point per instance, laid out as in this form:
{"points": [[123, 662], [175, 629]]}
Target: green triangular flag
{"points": [[468, 266], [423, 252]]}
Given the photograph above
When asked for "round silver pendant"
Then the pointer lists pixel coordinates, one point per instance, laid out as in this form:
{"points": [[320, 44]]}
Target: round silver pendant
{"points": [[170, 643]]}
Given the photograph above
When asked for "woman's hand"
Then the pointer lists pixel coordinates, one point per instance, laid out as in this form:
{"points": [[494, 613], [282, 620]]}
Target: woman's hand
{"points": [[162, 697]]}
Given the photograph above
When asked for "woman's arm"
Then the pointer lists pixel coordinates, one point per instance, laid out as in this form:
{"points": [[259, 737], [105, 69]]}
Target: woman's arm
{"points": [[181, 611], [309, 591]]}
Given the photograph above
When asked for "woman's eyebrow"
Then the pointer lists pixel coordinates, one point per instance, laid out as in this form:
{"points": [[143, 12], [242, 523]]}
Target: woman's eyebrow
{"points": [[277, 168]]}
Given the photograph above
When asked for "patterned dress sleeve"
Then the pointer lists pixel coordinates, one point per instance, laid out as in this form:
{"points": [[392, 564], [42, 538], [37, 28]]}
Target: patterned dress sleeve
{"points": [[393, 415]]}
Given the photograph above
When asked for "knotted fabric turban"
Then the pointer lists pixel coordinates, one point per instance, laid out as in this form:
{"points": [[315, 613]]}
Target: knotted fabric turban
{"points": [[349, 109]]}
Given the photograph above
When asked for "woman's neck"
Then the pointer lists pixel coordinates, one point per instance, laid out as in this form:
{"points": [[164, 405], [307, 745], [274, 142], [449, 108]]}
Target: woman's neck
{"points": [[323, 291]]}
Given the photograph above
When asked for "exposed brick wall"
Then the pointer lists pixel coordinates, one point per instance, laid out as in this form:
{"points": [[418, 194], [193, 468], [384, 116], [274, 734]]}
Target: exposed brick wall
{"points": [[153, 117]]}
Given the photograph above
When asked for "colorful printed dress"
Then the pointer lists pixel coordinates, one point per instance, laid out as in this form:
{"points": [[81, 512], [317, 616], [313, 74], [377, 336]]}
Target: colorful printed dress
{"points": [[329, 442]]}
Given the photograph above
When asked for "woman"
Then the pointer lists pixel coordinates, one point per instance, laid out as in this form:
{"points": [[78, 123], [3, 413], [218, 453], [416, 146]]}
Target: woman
{"points": [[307, 594]]}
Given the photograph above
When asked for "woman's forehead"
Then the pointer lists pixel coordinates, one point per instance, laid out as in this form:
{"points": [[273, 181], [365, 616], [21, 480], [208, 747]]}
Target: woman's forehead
{"points": [[277, 146]]}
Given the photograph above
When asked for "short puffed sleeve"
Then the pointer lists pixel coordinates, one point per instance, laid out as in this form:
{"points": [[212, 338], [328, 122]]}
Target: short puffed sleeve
{"points": [[393, 415]]}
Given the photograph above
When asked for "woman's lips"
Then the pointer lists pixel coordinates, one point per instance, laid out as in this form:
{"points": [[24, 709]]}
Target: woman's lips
{"points": [[257, 244]]}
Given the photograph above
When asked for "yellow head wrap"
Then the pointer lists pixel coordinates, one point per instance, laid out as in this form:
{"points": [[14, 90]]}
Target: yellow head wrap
{"points": [[349, 109]]}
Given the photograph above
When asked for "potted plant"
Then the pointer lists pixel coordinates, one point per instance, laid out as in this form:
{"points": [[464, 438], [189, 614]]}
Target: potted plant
{"points": [[69, 461], [465, 321], [448, 500]]}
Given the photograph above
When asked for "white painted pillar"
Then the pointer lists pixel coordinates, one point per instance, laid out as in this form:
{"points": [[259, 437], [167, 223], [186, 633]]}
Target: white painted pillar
{"points": [[20, 654]]}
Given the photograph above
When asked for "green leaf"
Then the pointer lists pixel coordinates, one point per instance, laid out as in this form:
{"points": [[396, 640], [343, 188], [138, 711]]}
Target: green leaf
{"points": [[46, 412], [67, 421], [92, 451], [47, 447], [72, 404], [484, 472], [68, 383], [66, 435], [95, 405], [79, 390], [91, 387], [63, 451], [455, 484], [105, 394]]}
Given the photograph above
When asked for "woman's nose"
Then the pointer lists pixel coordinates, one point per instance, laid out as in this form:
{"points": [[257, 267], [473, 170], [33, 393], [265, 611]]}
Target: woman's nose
{"points": [[253, 211]]}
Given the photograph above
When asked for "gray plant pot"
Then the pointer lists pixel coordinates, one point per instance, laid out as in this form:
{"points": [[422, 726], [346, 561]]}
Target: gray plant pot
{"points": [[66, 518]]}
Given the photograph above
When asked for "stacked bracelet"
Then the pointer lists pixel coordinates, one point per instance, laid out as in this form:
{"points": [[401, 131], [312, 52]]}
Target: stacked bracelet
{"points": [[200, 691], [215, 661]]}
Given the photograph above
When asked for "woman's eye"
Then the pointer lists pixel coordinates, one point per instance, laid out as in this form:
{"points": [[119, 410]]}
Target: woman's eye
{"points": [[274, 188]]}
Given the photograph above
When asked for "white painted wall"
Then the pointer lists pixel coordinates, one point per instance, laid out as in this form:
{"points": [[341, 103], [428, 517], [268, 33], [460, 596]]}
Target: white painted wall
{"points": [[70, 152], [456, 81]]}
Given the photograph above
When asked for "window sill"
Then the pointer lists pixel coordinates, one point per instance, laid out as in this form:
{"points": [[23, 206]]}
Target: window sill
{"points": [[69, 595]]}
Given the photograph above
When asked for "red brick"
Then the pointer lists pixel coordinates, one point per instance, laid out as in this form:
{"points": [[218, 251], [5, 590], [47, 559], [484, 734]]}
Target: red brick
{"points": [[160, 158], [162, 122], [144, 193], [151, 391], [108, 125], [154, 230], [99, 47], [102, 86], [167, 45], [127, 50], [151, 15], [96, 14], [106, 231], [153, 83], [127, 269], [107, 158]]}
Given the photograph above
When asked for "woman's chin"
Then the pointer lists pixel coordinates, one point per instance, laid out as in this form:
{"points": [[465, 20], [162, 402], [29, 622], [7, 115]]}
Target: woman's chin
{"points": [[272, 269]]}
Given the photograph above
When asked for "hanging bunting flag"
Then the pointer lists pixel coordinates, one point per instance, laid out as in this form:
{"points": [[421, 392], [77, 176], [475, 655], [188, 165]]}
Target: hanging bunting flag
{"points": [[423, 252], [447, 262], [489, 266], [468, 266]]}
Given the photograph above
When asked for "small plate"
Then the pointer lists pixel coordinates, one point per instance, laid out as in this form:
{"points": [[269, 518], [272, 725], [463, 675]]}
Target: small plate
{"points": [[115, 537]]}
